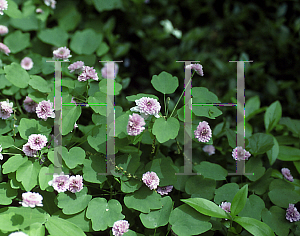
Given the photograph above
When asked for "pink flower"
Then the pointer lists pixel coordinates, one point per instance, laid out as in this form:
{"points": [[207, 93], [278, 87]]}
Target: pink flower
{"points": [[19, 233], [147, 106], [120, 227], [76, 66], [239, 154], [3, 30], [31, 199], [6, 109], [27, 63], [45, 110], [226, 206], [164, 190], [292, 213], [151, 180], [37, 141], [60, 183], [197, 67], [62, 53], [39, 10], [3, 6], [210, 149], [287, 174], [29, 104], [108, 74], [135, 124], [88, 73], [75, 184], [203, 132], [50, 2], [4, 48], [28, 150]]}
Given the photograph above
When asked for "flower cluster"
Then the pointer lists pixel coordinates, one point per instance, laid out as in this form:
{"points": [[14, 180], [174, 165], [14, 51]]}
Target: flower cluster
{"points": [[203, 132], [62, 53], [45, 110], [29, 104], [164, 190], [76, 66], [147, 106], [35, 142], [210, 149], [3, 6], [31, 199], [4, 48], [51, 3], [27, 63], [6, 109], [135, 124], [292, 213], [151, 180], [196, 67], [3, 30], [239, 154], [287, 174], [109, 74], [62, 183], [120, 227], [225, 206], [88, 73]]}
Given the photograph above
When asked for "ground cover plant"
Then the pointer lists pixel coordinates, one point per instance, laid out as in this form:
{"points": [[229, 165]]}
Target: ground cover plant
{"points": [[149, 190]]}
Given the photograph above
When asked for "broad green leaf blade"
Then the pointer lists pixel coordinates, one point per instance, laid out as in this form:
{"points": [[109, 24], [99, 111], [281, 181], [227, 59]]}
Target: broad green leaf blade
{"points": [[70, 115], [260, 143], [272, 115], [205, 187], [211, 170], [287, 153], [92, 168], [139, 96], [27, 174], [186, 221], [165, 83], [252, 105], [75, 156], [283, 197], [12, 10], [239, 201], [203, 95], [206, 207], [13, 163], [14, 71], [45, 176], [165, 130], [254, 226], [207, 111], [6, 141], [58, 227], [38, 83], [54, 36], [253, 207], [273, 152], [17, 41], [103, 5], [7, 193], [292, 124]]}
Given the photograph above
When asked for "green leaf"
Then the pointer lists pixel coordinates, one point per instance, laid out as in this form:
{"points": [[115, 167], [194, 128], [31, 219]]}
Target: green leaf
{"points": [[69, 18], [58, 227], [14, 71], [25, 23], [97, 138], [139, 96], [36, 229], [98, 103], [85, 42], [254, 165], [54, 36], [7, 194], [239, 201], [207, 111], [273, 153], [291, 124], [79, 219], [254, 226], [231, 136], [6, 141], [206, 207], [13, 163], [70, 115], [103, 214], [143, 200], [282, 197], [159, 217], [73, 203], [226, 193], [211, 170], [187, 221], [287, 153], [205, 187], [130, 186], [103, 5], [203, 95], [32, 126], [276, 220], [73, 157], [260, 143], [251, 107], [92, 168], [38, 83], [165, 130], [165, 83], [17, 41], [103, 87], [12, 10], [27, 174], [45, 176], [122, 50], [272, 115], [253, 207], [102, 49]]}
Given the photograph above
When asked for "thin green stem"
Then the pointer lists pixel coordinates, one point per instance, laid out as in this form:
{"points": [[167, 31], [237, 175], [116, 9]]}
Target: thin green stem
{"points": [[182, 94], [17, 148], [154, 232]]}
